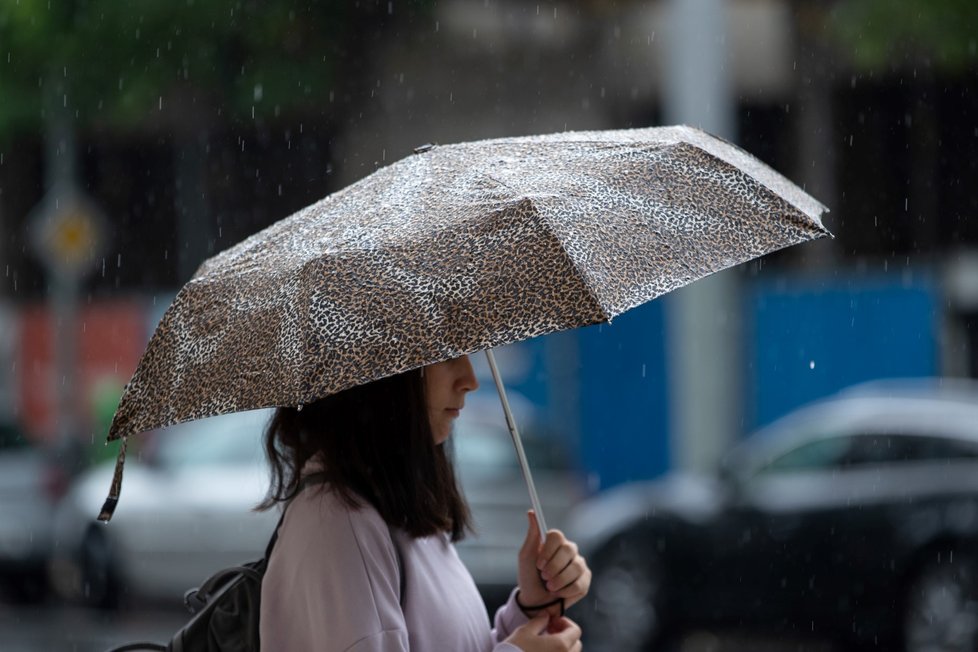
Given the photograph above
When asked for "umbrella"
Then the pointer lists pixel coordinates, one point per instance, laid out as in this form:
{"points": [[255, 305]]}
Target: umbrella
{"points": [[452, 250]]}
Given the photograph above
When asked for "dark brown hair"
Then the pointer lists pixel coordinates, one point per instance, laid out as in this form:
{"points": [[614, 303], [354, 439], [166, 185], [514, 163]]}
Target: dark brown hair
{"points": [[376, 444]]}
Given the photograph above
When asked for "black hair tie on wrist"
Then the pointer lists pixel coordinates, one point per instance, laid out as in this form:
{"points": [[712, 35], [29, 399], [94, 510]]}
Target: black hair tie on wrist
{"points": [[525, 608]]}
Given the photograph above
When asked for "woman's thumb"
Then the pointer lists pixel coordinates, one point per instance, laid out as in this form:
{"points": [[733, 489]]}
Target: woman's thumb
{"points": [[532, 540]]}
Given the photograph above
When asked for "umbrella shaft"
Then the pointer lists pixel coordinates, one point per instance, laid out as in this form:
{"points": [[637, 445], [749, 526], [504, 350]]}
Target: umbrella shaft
{"points": [[518, 444]]}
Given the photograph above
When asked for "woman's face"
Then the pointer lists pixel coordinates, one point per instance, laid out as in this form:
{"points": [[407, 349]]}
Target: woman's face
{"points": [[446, 384]]}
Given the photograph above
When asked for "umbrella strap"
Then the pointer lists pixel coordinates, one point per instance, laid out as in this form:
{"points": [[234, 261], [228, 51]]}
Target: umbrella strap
{"points": [[110, 503]]}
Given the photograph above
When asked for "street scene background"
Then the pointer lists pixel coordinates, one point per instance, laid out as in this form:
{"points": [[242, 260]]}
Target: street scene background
{"points": [[139, 138]]}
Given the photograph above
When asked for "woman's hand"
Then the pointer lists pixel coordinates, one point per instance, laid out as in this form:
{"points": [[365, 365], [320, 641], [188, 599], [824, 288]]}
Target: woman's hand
{"points": [[546, 634], [550, 570]]}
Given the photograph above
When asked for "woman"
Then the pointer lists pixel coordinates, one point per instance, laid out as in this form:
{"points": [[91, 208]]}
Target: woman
{"points": [[365, 561]]}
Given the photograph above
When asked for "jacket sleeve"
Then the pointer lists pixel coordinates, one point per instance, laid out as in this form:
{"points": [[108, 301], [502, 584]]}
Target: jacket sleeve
{"points": [[508, 618], [332, 585]]}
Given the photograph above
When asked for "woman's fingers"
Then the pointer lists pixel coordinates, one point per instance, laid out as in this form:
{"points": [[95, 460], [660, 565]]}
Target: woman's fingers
{"points": [[555, 553], [571, 582], [570, 634]]}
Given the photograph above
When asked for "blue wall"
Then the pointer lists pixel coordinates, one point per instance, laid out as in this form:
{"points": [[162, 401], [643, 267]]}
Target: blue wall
{"points": [[809, 338], [624, 397]]}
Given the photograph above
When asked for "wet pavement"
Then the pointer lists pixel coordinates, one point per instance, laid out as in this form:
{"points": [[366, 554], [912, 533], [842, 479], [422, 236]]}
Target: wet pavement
{"points": [[58, 628]]}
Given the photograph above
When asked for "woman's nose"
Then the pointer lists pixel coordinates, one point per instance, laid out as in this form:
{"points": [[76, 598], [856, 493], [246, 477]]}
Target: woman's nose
{"points": [[466, 378]]}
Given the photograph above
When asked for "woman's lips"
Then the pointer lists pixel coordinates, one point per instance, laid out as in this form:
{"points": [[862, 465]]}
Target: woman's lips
{"points": [[454, 412]]}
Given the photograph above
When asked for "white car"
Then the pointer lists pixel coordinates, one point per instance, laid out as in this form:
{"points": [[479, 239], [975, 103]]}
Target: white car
{"points": [[185, 512], [186, 509]]}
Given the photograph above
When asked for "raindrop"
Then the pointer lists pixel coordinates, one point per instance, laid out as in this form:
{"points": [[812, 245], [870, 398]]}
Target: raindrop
{"points": [[118, 261], [811, 364], [643, 371], [103, 266], [299, 407]]}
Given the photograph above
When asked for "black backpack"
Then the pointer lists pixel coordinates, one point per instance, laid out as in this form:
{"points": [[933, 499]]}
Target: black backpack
{"points": [[226, 607]]}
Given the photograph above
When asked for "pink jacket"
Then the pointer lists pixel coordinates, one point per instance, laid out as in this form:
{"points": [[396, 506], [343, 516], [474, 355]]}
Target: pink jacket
{"points": [[332, 585]]}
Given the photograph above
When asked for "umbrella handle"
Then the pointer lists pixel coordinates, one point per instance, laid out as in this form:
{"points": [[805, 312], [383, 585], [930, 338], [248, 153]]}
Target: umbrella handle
{"points": [[518, 444]]}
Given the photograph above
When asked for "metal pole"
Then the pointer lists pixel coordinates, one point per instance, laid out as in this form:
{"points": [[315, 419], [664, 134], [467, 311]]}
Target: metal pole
{"points": [[518, 444], [703, 318]]}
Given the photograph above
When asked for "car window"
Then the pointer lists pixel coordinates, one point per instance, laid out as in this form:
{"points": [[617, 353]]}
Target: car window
{"points": [[827, 453], [871, 449], [884, 449], [938, 448]]}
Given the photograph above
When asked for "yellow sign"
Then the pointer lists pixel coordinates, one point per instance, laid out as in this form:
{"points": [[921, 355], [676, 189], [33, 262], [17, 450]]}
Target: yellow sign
{"points": [[68, 233]]}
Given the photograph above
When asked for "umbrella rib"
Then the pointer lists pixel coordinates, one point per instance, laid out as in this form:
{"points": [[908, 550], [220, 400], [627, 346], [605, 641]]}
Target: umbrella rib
{"points": [[581, 273]]}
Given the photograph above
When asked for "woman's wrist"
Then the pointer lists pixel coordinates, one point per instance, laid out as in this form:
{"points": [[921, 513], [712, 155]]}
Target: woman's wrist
{"points": [[529, 610]]}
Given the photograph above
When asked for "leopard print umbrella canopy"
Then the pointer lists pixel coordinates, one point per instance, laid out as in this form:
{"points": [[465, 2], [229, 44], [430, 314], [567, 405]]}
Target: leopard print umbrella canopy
{"points": [[452, 250]]}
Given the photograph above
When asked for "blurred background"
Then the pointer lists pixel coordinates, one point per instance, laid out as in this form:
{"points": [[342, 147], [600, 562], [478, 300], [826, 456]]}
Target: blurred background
{"points": [[139, 138]]}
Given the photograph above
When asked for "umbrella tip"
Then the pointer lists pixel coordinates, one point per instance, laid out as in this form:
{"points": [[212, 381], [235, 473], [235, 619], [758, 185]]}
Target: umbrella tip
{"points": [[421, 149]]}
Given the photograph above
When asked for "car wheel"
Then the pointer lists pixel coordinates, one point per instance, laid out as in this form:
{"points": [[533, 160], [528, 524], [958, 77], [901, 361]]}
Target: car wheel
{"points": [[100, 585], [623, 612], [941, 606]]}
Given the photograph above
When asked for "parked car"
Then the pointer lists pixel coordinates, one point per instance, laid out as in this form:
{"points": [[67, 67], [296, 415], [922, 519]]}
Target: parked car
{"points": [[855, 518], [31, 482], [186, 504]]}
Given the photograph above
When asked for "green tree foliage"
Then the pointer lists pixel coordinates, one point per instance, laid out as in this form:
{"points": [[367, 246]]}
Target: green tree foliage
{"points": [[112, 62], [879, 33]]}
